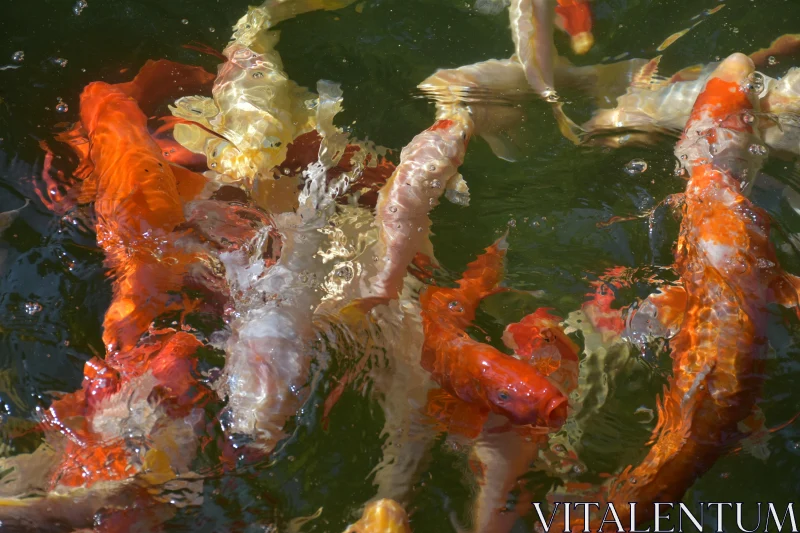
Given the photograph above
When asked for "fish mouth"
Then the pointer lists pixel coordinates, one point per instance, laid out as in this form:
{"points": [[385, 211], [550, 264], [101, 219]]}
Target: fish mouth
{"points": [[555, 414]]}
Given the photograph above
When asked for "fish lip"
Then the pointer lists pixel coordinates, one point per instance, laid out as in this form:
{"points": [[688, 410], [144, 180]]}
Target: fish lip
{"points": [[555, 413]]}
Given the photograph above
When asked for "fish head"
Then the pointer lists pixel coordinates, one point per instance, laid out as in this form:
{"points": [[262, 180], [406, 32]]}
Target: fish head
{"points": [[722, 127], [522, 394]]}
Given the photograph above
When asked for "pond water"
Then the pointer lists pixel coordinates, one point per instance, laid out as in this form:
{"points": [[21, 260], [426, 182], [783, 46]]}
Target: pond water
{"points": [[54, 290]]}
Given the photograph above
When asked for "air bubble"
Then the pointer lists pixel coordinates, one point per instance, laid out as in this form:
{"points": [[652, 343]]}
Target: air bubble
{"points": [[758, 150], [18, 56], [258, 75], [755, 83], [772, 61], [79, 6], [393, 209], [185, 21], [748, 118], [455, 306], [32, 308], [60, 61], [62, 107], [436, 184], [211, 29]]}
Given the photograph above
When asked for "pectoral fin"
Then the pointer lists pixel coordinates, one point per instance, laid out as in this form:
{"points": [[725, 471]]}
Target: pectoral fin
{"points": [[457, 190], [502, 146], [454, 415]]}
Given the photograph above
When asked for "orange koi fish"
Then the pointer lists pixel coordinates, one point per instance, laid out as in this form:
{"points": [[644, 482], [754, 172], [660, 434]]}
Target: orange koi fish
{"points": [[730, 273], [575, 18], [138, 196], [477, 373]]}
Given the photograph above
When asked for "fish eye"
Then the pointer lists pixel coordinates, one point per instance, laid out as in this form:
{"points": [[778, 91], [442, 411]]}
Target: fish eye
{"points": [[503, 396]]}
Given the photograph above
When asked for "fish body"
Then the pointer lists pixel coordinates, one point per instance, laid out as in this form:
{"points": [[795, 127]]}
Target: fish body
{"points": [[428, 167], [269, 351], [729, 271], [475, 372], [532, 23]]}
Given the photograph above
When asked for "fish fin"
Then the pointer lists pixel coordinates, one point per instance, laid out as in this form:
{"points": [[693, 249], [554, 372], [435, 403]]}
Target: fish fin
{"points": [[757, 435], [566, 126], [88, 191], [457, 190], [786, 291], [502, 146], [454, 415], [670, 301], [539, 339], [687, 74], [190, 184], [672, 38], [647, 76]]}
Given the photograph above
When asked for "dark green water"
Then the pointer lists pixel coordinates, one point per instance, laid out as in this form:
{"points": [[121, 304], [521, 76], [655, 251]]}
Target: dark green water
{"points": [[554, 196]]}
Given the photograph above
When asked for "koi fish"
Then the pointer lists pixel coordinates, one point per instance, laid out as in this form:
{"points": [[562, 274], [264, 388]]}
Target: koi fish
{"points": [[652, 106], [428, 168], [478, 373], [138, 195], [268, 352], [127, 432], [382, 516], [730, 273]]}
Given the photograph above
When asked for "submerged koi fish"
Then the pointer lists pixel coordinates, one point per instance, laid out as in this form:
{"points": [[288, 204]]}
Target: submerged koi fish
{"points": [[729, 272], [138, 197], [478, 373]]}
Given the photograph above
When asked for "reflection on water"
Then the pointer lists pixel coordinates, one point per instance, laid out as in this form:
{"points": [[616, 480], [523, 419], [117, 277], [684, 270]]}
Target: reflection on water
{"points": [[591, 231]]}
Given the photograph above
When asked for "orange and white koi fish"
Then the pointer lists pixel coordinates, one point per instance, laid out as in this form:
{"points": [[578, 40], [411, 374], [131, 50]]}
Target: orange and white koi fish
{"points": [[382, 516], [475, 372], [730, 273]]}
